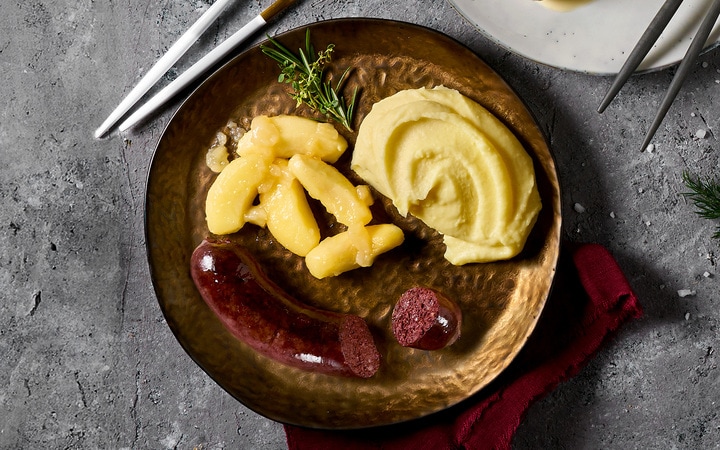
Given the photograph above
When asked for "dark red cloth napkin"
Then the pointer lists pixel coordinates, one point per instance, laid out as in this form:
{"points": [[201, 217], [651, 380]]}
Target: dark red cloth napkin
{"points": [[590, 300]]}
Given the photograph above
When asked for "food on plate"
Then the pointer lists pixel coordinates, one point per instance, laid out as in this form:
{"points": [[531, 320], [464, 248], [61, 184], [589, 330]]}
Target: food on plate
{"points": [[216, 157], [277, 162], [305, 73], [325, 183], [285, 136], [426, 319], [562, 5], [287, 213], [232, 194], [356, 247], [266, 318], [445, 159]]}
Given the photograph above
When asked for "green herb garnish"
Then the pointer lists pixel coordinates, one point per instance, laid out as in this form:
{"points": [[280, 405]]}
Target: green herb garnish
{"points": [[705, 194], [305, 72]]}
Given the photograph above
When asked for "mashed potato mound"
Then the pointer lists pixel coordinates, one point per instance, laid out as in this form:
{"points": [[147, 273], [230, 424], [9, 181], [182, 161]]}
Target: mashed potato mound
{"points": [[448, 161]]}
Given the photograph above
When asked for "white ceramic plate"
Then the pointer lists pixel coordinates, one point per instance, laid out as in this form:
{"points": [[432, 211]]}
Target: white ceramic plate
{"points": [[595, 37]]}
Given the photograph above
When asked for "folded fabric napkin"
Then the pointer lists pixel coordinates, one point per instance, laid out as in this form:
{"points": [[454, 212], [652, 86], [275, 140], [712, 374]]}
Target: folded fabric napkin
{"points": [[590, 300]]}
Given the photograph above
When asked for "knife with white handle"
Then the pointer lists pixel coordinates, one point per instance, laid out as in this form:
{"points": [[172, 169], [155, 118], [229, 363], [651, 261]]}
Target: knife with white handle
{"points": [[205, 63], [164, 63]]}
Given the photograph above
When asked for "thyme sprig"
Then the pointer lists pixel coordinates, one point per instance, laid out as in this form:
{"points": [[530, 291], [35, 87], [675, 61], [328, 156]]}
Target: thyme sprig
{"points": [[305, 72], [705, 194]]}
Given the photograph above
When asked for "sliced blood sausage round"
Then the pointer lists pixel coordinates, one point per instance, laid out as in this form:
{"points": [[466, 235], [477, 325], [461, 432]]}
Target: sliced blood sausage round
{"points": [[264, 316], [424, 318]]}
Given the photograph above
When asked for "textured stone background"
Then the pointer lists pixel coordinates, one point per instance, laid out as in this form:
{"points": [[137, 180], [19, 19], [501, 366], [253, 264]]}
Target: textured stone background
{"points": [[86, 359]]}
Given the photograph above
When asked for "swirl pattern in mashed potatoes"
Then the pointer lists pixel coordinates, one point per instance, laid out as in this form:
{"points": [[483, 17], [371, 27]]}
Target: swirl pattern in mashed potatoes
{"points": [[448, 161]]}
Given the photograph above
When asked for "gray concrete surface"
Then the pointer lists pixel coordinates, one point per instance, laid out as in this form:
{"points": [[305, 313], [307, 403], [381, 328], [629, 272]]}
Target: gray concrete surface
{"points": [[86, 360]]}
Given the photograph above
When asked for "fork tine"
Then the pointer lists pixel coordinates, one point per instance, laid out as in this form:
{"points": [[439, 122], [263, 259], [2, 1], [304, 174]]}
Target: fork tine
{"points": [[641, 49], [688, 61]]}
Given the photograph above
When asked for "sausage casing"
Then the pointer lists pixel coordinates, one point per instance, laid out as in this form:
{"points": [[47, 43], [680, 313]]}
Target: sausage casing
{"points": [[269, 320], [426, 319]]}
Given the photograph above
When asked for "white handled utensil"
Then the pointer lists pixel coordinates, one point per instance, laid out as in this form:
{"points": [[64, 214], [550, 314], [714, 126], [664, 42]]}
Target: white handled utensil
{"points": [[166, 62], [205, 63]]}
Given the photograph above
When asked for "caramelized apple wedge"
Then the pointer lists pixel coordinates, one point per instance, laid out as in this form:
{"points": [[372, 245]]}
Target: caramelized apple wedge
{"points": [[339, 253], [289, 217], [232, 194], [293, 135], [325, 183]]}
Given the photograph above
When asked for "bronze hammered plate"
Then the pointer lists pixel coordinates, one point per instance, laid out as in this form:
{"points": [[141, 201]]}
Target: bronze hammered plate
{"points": [[501, 302]]}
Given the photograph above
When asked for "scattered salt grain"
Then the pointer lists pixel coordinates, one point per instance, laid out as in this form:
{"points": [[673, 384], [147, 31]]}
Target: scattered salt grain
{"points": [[705, 65], [650, 148], [692, 114], [579, 208], [641, 190], [707, 275], [701, 133], [685, 293], [612, 214], [687, 316]]}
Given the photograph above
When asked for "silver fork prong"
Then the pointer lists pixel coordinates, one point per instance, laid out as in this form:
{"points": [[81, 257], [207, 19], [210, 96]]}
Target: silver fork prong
{"points": [[686, 65], [641, 49]]}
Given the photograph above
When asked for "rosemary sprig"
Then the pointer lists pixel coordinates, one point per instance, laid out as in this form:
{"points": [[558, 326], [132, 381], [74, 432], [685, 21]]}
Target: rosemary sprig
{"points": [[705, 194], [304, 72]]}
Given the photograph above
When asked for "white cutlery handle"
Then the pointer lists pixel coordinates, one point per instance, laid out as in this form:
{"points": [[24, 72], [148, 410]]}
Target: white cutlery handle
{"points": [[194, 72], [164, 63]]}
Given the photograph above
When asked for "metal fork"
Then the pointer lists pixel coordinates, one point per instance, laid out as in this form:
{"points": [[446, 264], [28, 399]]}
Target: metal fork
{"points": [[641, 49]]}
